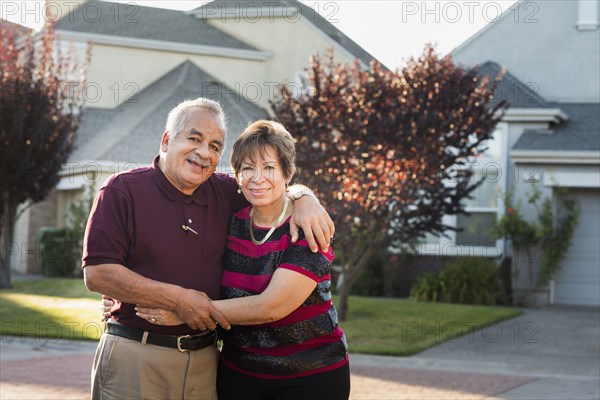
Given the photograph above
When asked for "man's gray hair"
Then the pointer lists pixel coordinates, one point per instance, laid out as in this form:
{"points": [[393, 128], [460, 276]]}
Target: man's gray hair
{"points": [[179, 115]]}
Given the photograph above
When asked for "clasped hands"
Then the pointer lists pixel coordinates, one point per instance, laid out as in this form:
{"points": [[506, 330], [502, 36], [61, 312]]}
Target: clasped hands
{"points": [[193, 308]]}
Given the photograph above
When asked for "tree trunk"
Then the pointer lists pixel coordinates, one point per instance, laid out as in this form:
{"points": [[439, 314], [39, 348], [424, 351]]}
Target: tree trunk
{"points": [[343, 308], [387, 270], [350, 277], [7, 230]]}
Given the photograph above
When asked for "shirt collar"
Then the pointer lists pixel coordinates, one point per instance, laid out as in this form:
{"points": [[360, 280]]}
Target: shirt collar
{"points": [[199, 196]]}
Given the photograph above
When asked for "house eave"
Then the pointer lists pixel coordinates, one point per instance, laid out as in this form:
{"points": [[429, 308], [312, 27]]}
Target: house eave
{"points": [[161, 45], [554, 115], [555, 157]]}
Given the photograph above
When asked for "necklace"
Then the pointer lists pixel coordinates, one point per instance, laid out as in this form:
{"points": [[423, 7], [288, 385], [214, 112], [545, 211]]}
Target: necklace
{"points": [[268, 235]]}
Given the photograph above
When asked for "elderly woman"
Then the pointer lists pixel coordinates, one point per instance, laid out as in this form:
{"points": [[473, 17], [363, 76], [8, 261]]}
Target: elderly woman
{"points": [[285, 342]]}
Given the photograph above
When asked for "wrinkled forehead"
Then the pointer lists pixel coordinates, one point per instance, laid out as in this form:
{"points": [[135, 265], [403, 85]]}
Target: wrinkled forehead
{"points": [[205, 121]]}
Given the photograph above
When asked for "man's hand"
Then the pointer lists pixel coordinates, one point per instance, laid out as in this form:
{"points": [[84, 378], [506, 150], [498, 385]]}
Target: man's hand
{"points": [[197, 310], [119, 282], [311, 217]]}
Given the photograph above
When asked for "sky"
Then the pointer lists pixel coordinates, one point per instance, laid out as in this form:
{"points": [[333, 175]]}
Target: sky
{"points": [[391, 30]]}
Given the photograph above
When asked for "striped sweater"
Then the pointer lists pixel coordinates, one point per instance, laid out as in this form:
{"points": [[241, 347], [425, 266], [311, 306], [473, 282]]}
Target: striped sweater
{"points": [[308, 340]]}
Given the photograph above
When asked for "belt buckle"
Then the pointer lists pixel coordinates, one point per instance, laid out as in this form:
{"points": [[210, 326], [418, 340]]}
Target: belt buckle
{"points": [[179, 349]]}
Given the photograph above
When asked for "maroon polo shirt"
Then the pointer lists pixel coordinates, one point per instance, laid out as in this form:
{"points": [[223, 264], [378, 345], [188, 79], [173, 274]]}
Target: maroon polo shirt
{"points": [[136, 221]]}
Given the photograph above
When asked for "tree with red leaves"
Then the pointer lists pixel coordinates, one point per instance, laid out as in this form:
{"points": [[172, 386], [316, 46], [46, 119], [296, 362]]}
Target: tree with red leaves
{"points": [[388, 152], [40, 108]]}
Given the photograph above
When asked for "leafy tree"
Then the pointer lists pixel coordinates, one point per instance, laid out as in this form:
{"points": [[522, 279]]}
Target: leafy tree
{"points": [[40, 110], [388, 151]]}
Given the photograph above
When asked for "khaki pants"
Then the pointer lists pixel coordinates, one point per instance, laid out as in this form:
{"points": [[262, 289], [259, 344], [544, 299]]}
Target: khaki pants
{"points": [[125, 369]]}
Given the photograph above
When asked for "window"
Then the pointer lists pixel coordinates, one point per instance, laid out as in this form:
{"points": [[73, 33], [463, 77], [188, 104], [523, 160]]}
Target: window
{"points": [[482, 207], [477, 229]]}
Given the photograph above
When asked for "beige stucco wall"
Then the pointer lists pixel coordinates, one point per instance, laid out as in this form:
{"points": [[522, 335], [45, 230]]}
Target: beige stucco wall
{"points": [[18, 249], [290, 43], [119, 72]]}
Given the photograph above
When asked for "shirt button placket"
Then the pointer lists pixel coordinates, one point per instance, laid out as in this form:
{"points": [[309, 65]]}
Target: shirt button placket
{"points": [[186, 219]]}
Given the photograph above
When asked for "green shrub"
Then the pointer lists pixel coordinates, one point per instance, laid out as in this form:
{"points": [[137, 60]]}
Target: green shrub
{"points": [[370, 282], [468, 280], [60, 252], [382, 276], [427, 287], [62, 248]]}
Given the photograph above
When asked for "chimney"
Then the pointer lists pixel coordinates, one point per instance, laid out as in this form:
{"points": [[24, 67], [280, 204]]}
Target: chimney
{"points": [[587, 15]]}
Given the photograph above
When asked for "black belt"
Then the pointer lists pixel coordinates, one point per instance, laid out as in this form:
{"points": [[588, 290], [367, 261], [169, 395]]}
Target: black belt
{"points": [[181, 343]]}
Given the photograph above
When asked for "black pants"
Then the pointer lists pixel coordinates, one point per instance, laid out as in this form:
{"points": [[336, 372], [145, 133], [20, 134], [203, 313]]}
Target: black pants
{"points": [[331, 385]]}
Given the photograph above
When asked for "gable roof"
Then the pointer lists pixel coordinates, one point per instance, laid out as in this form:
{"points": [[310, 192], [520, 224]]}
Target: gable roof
{"points": [[133, 21], [490, 25], [581, 132], [131, 132], [510, 89], [288, 5]]}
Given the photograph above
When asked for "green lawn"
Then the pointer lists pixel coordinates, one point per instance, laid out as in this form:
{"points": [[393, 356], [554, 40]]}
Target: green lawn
{"points": [[51, 307], [403, 327], [64, 308]]}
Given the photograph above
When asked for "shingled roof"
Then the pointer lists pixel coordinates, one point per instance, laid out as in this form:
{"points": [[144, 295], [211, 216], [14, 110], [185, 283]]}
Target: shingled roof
{"points": [[581, 132], [133, 21], [131, 132], [307, 12], [510, 89]]}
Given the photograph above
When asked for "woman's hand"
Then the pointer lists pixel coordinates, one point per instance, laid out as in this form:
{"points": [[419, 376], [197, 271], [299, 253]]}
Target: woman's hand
{"points": [[156, 316], [159, 316]]}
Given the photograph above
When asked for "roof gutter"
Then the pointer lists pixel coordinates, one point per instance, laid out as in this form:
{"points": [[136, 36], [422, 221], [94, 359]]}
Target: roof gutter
{"points": [[553, 115], [161, 45], [555, 157]]}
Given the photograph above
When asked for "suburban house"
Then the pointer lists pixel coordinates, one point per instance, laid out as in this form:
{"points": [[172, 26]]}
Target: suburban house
{"points": [[146, 60], [549, 136]]}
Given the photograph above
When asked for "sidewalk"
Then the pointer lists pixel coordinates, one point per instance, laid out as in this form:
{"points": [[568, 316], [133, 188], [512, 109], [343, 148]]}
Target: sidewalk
{"points": [[548, 353], [551, 353]]}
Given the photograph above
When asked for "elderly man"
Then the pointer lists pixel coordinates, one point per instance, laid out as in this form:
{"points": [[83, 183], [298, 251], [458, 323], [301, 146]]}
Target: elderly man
{"points": [[155, 237]]}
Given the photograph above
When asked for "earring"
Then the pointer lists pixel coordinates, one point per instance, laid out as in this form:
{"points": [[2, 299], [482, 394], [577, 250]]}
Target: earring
{"points": [[239, 190], [287, 187]]}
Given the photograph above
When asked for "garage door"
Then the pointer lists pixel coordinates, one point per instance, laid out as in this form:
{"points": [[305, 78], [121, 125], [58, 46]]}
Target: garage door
{"points": [[578, 280]]}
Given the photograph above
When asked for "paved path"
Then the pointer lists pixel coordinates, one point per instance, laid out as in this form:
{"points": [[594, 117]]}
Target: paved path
{"points": [[549, 353]]}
